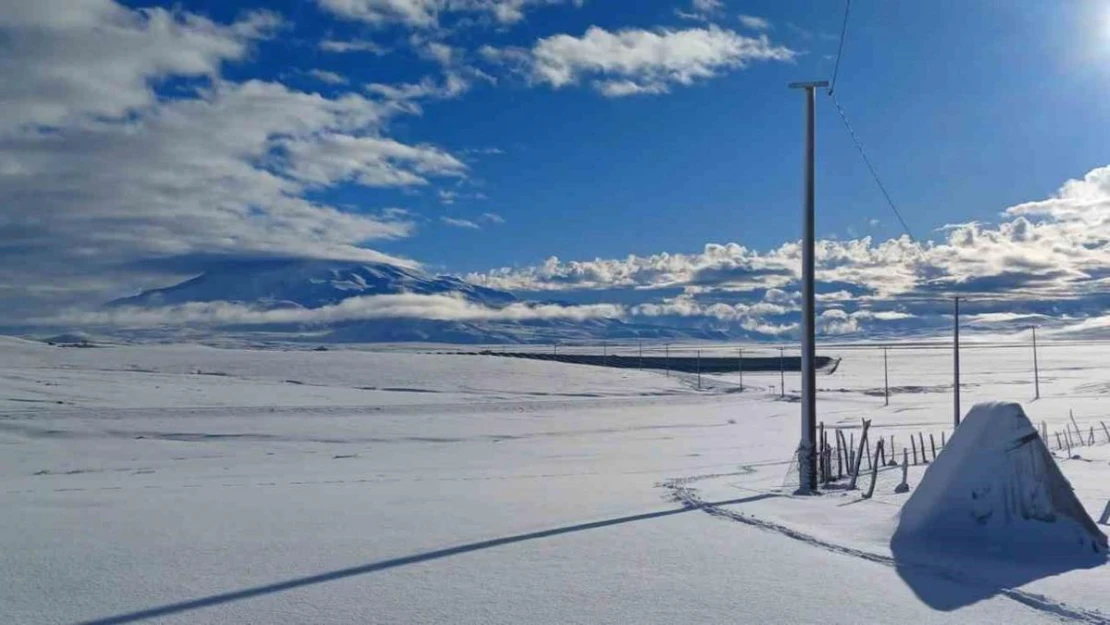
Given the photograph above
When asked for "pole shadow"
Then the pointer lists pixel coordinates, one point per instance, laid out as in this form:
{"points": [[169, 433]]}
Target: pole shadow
{"points": [[330, 576]]}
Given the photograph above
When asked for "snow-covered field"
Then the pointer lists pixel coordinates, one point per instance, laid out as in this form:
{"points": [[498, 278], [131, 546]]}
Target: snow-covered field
{"points": [[186, 484]]}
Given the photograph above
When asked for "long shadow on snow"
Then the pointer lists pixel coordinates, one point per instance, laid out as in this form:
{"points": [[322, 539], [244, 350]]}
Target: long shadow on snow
{"points": [[930, 572], [257, 591]]}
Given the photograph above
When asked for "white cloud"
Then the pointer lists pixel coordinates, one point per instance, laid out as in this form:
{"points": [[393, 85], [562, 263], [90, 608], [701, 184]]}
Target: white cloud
{"points": [[1054, 252], [409, 305], [701, 10], [369, 161], [460, 223], [70, 60], [428, 13], [453, 85], [108, 188], [325, 76], [493, 218], [632, 61], [353, 45], [755, 22]]}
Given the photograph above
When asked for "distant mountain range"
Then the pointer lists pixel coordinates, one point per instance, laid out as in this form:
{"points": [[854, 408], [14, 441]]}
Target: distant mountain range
{"points": [[311, 284]]}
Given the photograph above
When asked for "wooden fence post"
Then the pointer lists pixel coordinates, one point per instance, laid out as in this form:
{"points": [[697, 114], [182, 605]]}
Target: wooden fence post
{"points": [[933, 445], [904, 487], [1068, 439], [821, 443], [1091, 437], [1105, 430], [913, 444], [859, 455], [874, 470], [942, 441], [1059, 445], [1078, 434], [921, 441], [1105, 515], [867, 443]]}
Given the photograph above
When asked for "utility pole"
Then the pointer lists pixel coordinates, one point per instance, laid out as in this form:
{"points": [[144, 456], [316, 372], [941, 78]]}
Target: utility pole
{"points": [[782, 375], [1036, 369], [699, 369], [641, 355], [886, 379], [807, 461], [740, 366], [956, 361], [668, 358]]}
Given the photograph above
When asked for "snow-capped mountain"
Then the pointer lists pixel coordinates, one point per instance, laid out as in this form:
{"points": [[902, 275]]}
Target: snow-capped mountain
{"points": [[311, 284]]}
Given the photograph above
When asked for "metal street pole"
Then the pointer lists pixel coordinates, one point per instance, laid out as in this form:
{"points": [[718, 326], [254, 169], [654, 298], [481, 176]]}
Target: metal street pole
{"points": [[740, 365], [1036, 369], [886, 380], [956, 362], [807, 462], [782, 373]]}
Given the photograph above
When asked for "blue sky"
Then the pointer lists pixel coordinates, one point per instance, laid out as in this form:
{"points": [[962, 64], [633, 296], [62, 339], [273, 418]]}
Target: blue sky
{"points": [[967, 108], [483, 137]]}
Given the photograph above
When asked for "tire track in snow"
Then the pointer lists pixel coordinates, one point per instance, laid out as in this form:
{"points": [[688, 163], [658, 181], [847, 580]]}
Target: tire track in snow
{"points": [[681, 491]]}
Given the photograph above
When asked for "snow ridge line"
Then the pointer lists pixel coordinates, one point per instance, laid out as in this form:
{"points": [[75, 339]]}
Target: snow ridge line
{"points": [[681, 492]]}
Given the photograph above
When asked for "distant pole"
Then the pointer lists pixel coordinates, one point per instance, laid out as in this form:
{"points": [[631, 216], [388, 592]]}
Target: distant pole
{"points": [[699, 369], [956, 362], [740, 365], [641, 355], [808, 478], [605, 353], [1036, 369], [555, 350], [886, 380], [782, 376], [668, 358]]}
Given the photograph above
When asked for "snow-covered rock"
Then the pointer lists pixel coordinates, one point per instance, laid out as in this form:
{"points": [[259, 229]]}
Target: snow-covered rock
{"points": [[996, 488]]}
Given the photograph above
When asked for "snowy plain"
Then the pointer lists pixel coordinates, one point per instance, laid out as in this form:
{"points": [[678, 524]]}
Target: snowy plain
{"points": [[189, 484]]}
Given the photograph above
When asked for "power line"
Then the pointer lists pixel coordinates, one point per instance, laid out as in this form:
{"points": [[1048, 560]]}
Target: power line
{"points": [[840, 48], [871, 167]]}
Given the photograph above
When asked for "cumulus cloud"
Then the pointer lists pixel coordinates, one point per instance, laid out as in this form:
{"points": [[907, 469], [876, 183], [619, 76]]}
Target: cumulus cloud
{"points": [[428, 13], [755, 23], [701, 10], [109, 186], [1049, 257], [400, 306], [460, 223], [68, 60], [340, 46], [636, 61], [327, 77]]}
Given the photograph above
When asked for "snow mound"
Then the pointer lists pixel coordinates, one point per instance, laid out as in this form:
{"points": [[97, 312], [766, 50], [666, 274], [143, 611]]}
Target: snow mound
{"points": [[996, 488]]}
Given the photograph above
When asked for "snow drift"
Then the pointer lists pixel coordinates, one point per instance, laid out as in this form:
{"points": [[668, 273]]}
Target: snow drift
{"points": [[996, 488]]}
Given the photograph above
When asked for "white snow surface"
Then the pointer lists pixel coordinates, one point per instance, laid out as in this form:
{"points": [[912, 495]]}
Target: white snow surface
{"points": [[185, 484]]}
